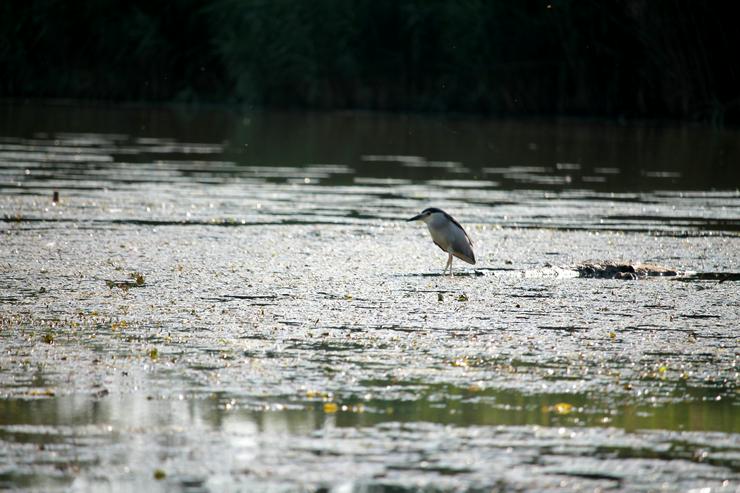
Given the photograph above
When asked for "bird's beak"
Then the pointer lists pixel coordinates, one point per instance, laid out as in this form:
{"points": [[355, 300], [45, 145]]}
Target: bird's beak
{"points": [[415, 218]]}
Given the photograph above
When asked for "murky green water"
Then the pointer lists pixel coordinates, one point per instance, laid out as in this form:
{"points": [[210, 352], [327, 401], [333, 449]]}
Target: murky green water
{"points": [[223, 302]]}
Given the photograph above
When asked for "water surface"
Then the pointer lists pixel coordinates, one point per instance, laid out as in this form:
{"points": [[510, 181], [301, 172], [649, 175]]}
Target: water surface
{"points": [[222, 301]]}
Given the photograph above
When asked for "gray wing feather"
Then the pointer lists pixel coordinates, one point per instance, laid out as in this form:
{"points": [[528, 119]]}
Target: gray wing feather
{"points": [[463, 248]]}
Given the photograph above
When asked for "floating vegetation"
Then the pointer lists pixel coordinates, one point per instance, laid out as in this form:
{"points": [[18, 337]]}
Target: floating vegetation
{"points": [[137, 280], [561, 408], [460, 362], [330, 407], [13, 218], [319, 394], [41, 393]]}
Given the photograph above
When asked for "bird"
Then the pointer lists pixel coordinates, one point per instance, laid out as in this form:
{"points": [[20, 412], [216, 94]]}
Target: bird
{"points": [[448, 235]]}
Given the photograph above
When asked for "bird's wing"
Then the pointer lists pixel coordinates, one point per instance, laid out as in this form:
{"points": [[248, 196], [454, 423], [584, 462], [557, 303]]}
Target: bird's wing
{"points": [[463, 248], [454, 221], [440, 246]]}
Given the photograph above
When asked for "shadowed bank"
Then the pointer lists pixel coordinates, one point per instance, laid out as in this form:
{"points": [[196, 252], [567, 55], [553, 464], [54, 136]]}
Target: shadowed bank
{"points": [[639, 59]]}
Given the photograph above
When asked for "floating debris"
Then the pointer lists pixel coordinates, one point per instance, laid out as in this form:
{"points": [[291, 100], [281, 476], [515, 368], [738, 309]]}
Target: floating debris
{"points": [[101, 393], [460, 362], [313, 394], [42, 393], [621, 270], [561, 408], [137, 281]]}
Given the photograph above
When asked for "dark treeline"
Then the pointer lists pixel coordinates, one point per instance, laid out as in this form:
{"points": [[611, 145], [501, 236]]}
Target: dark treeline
{"points": [[618, 58]]}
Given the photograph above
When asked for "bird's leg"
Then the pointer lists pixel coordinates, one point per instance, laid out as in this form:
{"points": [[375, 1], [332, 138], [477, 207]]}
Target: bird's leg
{"points": [[449, 264]]}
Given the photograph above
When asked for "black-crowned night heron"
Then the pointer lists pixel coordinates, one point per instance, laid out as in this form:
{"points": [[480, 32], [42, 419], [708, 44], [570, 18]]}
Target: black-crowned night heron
{"points": [[448, 235]]}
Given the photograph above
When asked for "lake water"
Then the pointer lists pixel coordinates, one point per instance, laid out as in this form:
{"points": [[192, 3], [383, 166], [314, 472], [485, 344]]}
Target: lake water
{"points": [[226, 301]]}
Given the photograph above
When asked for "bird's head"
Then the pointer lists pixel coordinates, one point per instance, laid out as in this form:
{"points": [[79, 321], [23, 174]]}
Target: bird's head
{"points": [[426, 214]]}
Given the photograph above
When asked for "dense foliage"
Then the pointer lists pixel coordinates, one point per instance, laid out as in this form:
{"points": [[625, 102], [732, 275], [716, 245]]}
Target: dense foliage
{"points": [[636, 58]]}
